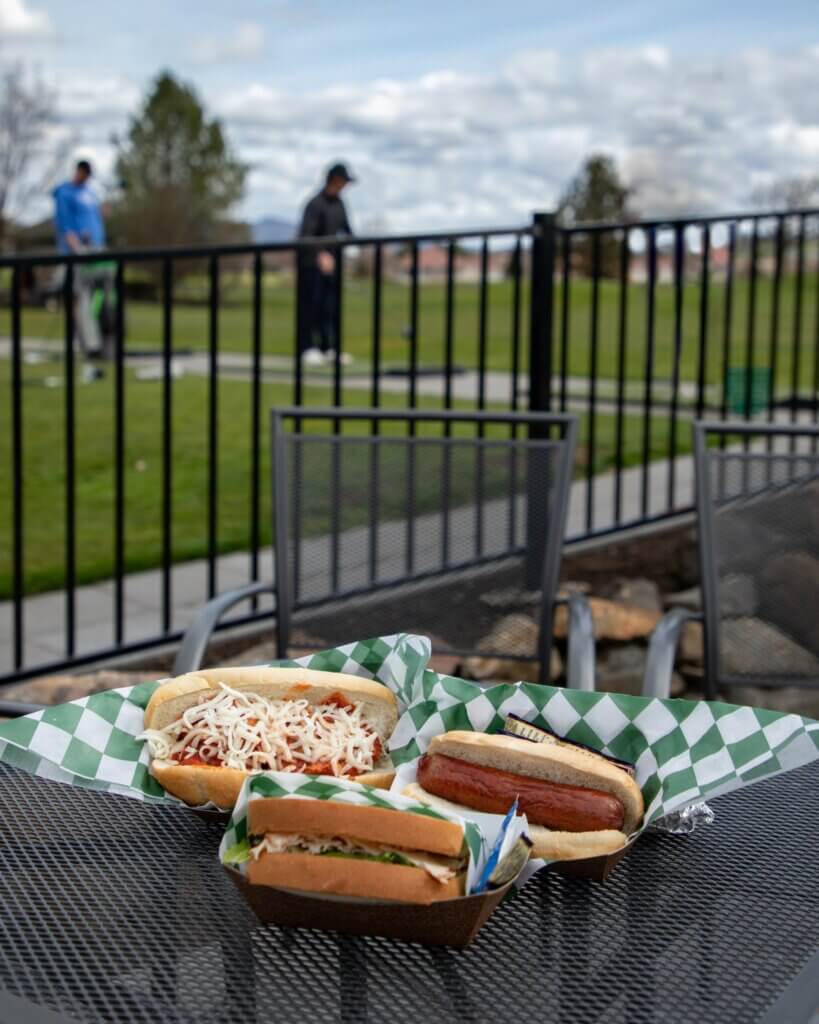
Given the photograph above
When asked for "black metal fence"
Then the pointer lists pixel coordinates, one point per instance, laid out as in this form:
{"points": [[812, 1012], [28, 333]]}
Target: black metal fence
{"points": [[638, 328]]}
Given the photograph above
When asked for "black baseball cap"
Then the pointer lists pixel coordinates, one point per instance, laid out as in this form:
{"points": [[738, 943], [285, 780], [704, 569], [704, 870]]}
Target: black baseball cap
{"points": [[339, 171]]}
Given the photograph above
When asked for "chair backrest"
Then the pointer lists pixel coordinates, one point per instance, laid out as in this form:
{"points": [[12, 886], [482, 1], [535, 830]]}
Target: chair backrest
{"points": [[417, 520], [758, 514]]}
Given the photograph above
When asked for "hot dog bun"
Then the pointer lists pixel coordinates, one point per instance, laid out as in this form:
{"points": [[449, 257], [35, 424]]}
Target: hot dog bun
{"points": [[553, 763], [344, 876], [382, 825], [201, 784], [546, 843]]}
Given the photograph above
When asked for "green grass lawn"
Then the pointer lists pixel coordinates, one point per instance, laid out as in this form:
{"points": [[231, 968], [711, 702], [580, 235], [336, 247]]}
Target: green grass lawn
{"points": [[44, 475], [190, 325]]}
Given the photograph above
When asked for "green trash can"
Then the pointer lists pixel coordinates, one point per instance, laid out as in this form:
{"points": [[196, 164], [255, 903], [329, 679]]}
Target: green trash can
{"points": [[736, 389]]}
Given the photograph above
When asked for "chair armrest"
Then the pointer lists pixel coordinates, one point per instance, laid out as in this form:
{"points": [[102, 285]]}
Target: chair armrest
{"points": [[197, 635], [15, 708], [662, 651], [581, 650]]}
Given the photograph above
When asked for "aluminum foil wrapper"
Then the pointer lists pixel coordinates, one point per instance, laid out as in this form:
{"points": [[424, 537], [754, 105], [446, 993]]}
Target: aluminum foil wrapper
{"points": [[682, 822]]}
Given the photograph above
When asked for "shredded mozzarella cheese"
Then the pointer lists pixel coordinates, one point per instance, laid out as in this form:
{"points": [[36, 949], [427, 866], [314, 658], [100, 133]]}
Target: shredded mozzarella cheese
{"points": [[440, 868], [251, 733]]}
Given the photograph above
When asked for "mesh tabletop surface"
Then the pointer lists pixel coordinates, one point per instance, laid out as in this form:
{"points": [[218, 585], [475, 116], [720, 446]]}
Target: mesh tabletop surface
{"points": [[113, 910]]}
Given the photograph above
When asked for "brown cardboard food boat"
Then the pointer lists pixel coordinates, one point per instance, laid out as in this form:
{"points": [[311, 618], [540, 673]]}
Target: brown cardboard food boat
{"points": [[444, 923]]}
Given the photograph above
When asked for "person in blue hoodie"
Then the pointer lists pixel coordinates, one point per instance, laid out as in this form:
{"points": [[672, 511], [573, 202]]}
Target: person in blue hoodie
{"points": [[80, 228]]}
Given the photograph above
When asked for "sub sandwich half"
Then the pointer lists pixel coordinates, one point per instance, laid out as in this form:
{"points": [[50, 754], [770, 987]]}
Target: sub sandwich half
{"points": [[326, 846], [207, 731], [578, 804]]}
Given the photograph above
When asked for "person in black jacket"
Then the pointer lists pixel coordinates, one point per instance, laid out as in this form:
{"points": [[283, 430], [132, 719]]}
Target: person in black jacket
{"points": [[325, 215]]}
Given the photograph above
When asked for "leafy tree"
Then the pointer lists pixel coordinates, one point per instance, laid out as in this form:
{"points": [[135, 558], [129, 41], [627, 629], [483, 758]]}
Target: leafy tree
{"points": [[596, 194], [177, 174]]}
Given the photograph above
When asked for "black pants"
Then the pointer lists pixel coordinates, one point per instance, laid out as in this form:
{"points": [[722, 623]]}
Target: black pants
{"points": [[318, 307]]}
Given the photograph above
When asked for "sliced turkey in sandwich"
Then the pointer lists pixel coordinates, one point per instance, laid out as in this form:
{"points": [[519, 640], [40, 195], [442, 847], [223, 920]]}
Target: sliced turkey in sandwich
{"points": [[326, 846], [208, 730]]}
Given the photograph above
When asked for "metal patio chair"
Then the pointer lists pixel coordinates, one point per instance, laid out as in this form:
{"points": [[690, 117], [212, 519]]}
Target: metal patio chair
{"points": [[447, 523], [758, 526]]}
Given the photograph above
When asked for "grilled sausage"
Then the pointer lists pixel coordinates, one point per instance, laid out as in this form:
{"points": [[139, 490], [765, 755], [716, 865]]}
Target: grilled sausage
{"points": [[552, 804]]}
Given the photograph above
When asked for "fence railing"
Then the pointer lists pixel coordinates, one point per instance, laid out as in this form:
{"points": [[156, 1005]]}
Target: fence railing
{"points": [[138, 495]]}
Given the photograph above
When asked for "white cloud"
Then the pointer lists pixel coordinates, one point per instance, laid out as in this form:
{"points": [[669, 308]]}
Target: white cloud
{"points": [[16, 19], [245, 42], [693, 134]]}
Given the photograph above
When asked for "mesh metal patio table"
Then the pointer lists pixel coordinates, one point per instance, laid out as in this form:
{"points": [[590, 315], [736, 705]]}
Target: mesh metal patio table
{"points": [[114, 910]]}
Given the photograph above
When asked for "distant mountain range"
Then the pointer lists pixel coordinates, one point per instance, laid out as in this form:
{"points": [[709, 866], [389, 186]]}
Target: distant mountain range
{"points": [[272, 229]]}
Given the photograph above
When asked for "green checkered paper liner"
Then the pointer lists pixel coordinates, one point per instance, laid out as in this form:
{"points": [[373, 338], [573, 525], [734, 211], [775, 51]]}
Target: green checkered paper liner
{"points": [[235, 846], [683, 751], [91, 742]]}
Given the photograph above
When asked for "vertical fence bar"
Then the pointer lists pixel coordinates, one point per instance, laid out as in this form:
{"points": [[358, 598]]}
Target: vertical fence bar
{"points": [[409, 551], [119, 457], [705, 284], [513, 398], [816, 351], [167, 441], [449, 339], [375, 401], [300, 326], [796, 367], [727, 322], [773, 354], [751, 323], [541, 310], [565, 285], [479, 452], [17, 464], [339, 324], [591, 439], [335, 519], [679, 274], [213, 422], [70, 489], [651, 258], [255, 421], [621, 376]]}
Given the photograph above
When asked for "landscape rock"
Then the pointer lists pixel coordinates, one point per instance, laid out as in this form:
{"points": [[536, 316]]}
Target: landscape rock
{"points": [[751, 647], [626, 658], [790, 596], [517, 634], [61, 688], [630, 681], [791, 699], [691, 649], [738, 595], [690, 599], [507, 598], [612, 621], [639, 593]]}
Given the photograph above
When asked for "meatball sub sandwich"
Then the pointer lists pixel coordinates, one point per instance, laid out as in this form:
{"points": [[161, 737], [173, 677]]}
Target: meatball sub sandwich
{"points": [[208, 730]]}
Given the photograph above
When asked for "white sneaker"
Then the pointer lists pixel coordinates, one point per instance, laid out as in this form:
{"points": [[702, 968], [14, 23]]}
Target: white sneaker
{"points": [[313, 357], [345, 359]]}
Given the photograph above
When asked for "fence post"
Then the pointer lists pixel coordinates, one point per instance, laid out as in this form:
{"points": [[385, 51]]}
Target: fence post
{"points": [[541, 306]]}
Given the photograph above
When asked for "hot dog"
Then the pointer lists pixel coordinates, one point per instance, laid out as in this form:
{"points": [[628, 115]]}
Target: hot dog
{"points": [[554, 805], [577, 803]]}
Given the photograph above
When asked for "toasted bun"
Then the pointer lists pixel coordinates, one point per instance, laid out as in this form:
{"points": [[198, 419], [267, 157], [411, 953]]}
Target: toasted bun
{"points": [[172, 698], [199, 784], [382, 825], [346, 876], [546, 844], [571, 765]]}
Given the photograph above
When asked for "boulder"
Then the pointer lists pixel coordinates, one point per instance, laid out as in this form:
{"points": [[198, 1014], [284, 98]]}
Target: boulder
{"points": [[691, 649], [738, 595], [639, 593], [790, 699], [752, 647], [790, 596], [612, 621], [690, 599], [517, 634], [61, 688]]}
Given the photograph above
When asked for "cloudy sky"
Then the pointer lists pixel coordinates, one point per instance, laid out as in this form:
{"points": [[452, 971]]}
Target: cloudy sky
{"points": [[453, 113]]}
